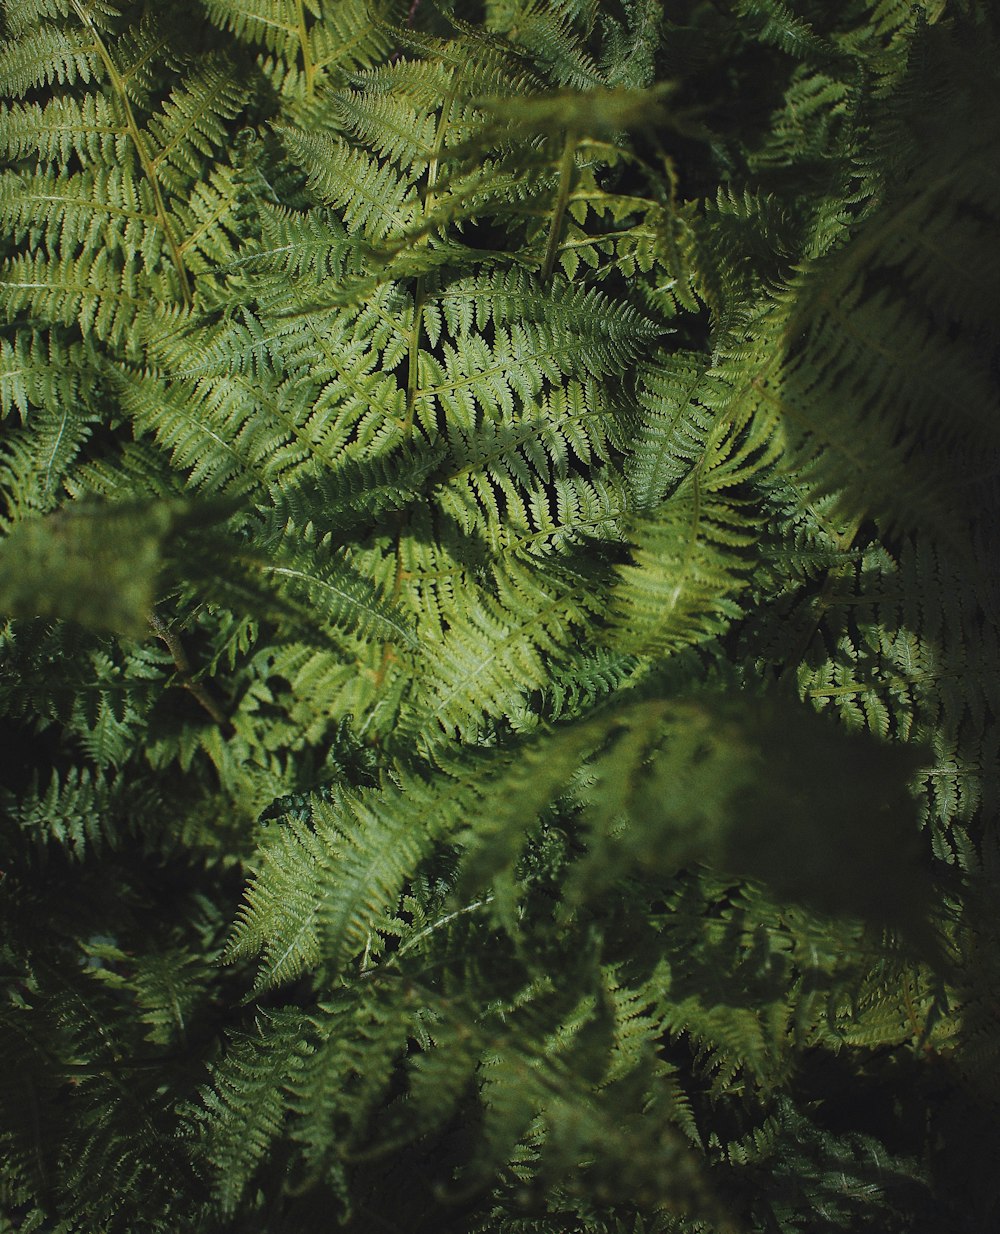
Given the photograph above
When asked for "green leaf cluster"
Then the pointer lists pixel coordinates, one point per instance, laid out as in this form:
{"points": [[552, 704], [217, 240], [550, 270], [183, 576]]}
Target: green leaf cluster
{"points": [[499, 675]]}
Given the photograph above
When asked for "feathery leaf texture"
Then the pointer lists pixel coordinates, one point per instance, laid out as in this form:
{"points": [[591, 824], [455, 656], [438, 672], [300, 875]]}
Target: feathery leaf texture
{"points": [[447, 462]]}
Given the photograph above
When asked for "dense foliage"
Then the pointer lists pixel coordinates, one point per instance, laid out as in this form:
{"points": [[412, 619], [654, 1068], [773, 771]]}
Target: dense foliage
{"points": [[500, 673]]}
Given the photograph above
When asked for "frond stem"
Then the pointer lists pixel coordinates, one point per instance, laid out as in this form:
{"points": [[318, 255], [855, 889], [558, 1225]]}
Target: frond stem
{"points": [[308, 67], [145, 161], [562, 201], [420, 288], [198, 689], [443, 921], [413, 358]]}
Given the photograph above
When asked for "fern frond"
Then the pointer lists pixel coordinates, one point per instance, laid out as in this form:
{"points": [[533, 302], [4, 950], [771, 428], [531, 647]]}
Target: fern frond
{"points": [[611, 335], [35, 462], [675, 401], [654, 798], [389, 124], [207, 224], [774, 22], [361, 1034], [334, 589], [52, 56], [295, 246], [76, 811], [898, 640], [495, 651], [550, 39], [375, 199], [691, 554], [92, 128], [246, 1104], [869, 369], [191, 125], [689, 565], [350, 38], [310, 42], [321, 890], [278, 24], [70, 212], [95, 291]]}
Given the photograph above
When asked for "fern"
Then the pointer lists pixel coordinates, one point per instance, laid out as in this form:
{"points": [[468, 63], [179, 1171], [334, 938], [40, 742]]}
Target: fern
{"points": [[449, 459]]}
